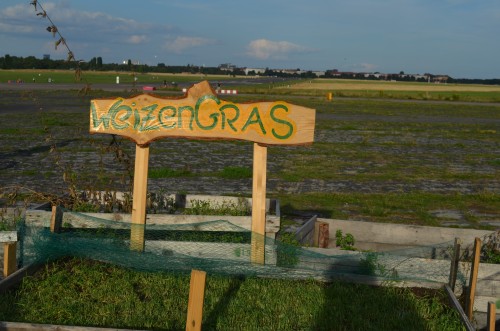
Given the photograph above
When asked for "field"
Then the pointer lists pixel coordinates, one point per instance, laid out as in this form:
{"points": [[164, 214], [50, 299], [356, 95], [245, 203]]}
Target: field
{"points": [[397, 90], [346, 84], [381, 160]]}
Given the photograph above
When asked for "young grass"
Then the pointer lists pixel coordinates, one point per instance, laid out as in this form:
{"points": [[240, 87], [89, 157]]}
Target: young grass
{"points": [[406, 208], [86, 293], [236, 173], [156, 173]]}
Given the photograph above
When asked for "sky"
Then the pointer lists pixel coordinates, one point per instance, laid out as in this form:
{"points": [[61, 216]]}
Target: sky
{"points": [[459, 38]]}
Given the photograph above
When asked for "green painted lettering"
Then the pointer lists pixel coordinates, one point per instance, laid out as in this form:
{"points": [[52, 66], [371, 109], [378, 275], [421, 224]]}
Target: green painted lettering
{"points": [[160, 116], [96, 122], [179, 121], [114, 110], [137, 119], [254, 113], [281, 121], [230, 121], [213, 116], [149, 117]]}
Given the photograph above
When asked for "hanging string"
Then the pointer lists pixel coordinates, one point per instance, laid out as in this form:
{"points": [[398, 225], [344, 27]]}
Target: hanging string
{"points": [[61, 41]]}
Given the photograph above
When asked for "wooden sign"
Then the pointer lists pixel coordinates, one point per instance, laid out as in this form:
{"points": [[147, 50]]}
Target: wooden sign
{"points": [[202, 115]]}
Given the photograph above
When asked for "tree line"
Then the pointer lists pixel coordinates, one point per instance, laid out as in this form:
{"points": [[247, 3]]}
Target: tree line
{"points": [[96, 63]]}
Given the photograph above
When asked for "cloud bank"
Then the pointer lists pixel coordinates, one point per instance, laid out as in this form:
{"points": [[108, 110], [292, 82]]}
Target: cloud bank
{"points": [[264, 49]]}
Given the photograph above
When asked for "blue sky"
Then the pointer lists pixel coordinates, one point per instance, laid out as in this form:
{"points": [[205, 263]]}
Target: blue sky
{"points": [[455, 37]]}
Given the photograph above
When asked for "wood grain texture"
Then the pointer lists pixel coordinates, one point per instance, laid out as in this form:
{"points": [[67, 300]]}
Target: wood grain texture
{"points": [[202, 115]]}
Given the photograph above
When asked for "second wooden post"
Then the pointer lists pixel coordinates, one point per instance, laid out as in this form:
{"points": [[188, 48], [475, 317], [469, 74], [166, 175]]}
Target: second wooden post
{"points": [[139, 198], [259, 203]]}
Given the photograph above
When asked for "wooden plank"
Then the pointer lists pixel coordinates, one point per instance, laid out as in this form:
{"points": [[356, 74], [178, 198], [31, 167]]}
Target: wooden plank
{"points": [[304, 232], [196, 298], [481, 303], [56, 219], [259, 202], [77, 220], [139, 197], [17, 326], [473, 278], [9, 258], [231, 252], [454, 264], [453, 299], [8, 236], [201, 114], [401, 234], [491, 317], [15, 278]]}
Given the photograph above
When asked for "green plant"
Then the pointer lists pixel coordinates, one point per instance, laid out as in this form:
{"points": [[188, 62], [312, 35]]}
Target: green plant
{"points": [[85, 207], [9, 220], [490, 249], [345, 242], [166, 172], [226, 207]]}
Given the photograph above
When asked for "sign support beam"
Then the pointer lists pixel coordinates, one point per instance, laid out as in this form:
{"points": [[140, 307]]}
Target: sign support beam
{"points": [[139, 197], [259, 203]]}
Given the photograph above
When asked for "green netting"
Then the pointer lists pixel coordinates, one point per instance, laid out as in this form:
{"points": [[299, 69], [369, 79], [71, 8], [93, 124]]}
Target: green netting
{"points": [[220, 247]]}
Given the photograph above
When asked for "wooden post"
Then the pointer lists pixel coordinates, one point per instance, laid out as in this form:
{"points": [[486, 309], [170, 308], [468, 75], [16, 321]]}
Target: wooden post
{"points": [[9, 258], [139, 197], [455, 258], [324, 235], [316, 234], [473, 278], [490, 324], [196, 298], [259, 203], [56, 219]]}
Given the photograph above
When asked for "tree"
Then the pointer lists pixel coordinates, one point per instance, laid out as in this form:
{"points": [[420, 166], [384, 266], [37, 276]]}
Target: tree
{"points": [[99, 62]]}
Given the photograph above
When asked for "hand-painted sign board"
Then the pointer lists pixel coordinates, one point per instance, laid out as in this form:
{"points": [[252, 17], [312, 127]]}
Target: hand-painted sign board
{"points": [[201, 114]]}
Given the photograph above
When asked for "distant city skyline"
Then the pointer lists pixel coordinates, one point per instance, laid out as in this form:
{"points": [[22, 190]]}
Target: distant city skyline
{"points": [[452, 37]]}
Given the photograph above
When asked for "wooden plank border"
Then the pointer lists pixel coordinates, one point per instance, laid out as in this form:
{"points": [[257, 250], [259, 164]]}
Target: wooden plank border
{"points": [[17, 326], [15, 278], [8, 236], [305, 234], [453, 299], [454, 264]]}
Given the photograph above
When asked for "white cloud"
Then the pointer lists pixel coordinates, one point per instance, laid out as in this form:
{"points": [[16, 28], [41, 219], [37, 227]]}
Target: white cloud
{"points": [[264, 49], [368, 67], [182, 43], [137, 39]]}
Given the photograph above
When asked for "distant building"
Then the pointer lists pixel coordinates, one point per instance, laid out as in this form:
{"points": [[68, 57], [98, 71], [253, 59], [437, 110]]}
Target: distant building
{"points": [[440, 79], [257, 71], [227, 67]]}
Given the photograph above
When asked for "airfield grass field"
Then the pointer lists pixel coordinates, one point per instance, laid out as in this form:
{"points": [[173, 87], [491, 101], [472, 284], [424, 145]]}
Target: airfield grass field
{"points": [[386, 158]]}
